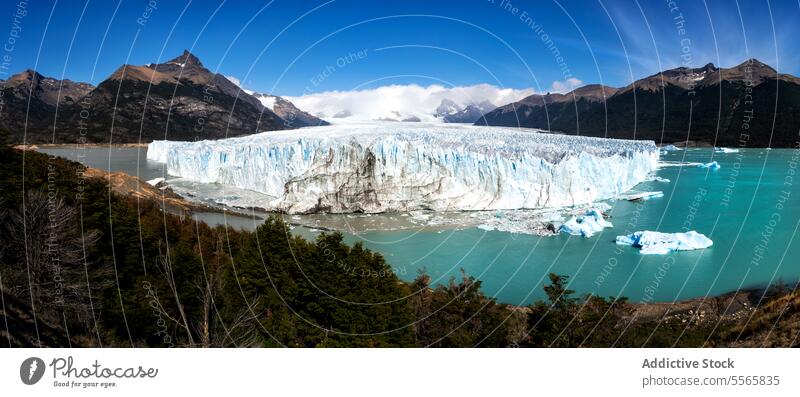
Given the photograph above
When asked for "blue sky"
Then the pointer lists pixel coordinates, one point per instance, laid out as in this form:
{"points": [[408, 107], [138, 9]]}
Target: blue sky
{"points": [[294, 47]]}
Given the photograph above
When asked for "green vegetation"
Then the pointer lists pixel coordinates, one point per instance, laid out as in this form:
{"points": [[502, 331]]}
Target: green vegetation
{"points": [[113, 271]]}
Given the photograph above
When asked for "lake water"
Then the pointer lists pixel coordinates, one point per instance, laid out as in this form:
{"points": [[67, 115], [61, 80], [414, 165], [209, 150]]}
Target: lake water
{"points": [[750, 208]]}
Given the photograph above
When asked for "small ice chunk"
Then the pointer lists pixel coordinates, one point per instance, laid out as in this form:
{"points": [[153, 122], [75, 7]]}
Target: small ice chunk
{"points": [[642, 196], [670, 148], [586, 225], [713, 165], [656, 178], [663, 164], [156, 181], [725, 150], [602, 207], [656, 243]]}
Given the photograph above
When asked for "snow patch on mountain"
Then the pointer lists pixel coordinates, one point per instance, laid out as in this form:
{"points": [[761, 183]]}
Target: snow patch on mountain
{"points": [[268, 102]]}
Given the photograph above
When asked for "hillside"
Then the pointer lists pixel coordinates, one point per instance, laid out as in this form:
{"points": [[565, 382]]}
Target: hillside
{"points": [[179, 100], [749, 105]]}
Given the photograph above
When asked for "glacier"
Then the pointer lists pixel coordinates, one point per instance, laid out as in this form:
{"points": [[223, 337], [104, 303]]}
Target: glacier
{"points": [[387, 167], [658, 243]]}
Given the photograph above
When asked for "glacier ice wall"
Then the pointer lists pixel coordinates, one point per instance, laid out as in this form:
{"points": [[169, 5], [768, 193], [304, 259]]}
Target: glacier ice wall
{"points": [[383, 167]]}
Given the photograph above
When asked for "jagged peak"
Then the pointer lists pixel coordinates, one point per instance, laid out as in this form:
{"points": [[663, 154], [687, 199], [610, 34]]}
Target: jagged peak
{"points": [[142, 73], [709, 66], [754, 64], [186, 59]]}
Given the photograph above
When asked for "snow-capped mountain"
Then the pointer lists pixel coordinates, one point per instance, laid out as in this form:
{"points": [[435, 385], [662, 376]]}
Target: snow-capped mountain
{"points": [[345, 116], [400, 117], [407, 102], [446, 108], [450, 112], [291, 115]]}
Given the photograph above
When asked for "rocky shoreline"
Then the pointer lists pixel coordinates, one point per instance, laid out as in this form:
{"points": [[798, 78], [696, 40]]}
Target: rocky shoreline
{"points": [[127, 185], [36, 146]]}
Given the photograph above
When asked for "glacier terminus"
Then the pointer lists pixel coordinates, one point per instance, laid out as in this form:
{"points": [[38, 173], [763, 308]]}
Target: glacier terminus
{"points": [[389, 167]]}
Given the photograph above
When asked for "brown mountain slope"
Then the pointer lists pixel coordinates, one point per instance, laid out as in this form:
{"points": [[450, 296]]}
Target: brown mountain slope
{"points": [[178, 100], [749, 105]]}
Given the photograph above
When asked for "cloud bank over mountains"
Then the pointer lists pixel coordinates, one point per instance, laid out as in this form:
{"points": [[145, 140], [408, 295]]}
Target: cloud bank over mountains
{"points": [[401, 101]]}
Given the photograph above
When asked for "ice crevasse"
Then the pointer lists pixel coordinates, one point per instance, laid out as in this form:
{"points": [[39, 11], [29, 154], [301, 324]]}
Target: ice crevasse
{"points": [[384, 167]]}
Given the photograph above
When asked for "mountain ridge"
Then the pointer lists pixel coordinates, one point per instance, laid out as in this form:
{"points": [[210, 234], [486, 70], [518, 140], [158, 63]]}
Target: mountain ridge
{"points": [[286, 110], [734, 106], [178, 99]]}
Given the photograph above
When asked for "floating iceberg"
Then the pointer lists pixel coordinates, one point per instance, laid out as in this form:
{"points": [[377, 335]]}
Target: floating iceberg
{"points": [[713, 165], [664, 164], [668, 148], [664, 243], [642, 196], [586, 225], [656, 178], [725, 150], [403, 167]]}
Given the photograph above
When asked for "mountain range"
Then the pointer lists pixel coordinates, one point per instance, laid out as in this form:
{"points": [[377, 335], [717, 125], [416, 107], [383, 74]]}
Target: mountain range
{"points": [[749, 105], [178, 100], [451, 112]]}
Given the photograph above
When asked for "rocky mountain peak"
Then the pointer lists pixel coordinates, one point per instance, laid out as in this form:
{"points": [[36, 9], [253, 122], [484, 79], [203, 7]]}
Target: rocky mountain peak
{"points": [[186, 59], [26, 76], [447, 107], [709, 67], [754, 64]]}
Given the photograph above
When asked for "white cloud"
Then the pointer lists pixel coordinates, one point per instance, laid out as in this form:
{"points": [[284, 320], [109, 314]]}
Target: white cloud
{"points": [[408, 100], [566, 85]]}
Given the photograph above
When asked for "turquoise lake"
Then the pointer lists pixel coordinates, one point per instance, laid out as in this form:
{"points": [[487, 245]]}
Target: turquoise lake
{"points": [[750, 208]]}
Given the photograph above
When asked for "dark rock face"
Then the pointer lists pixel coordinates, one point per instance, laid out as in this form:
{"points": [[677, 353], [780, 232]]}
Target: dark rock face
{"points": [[30, 100], [49, 90], [176, 100], [472, 113], [724, 107], [291, 115]]}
